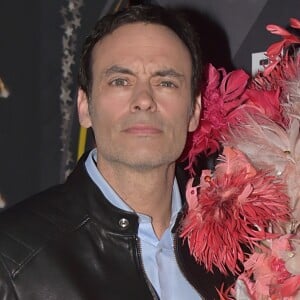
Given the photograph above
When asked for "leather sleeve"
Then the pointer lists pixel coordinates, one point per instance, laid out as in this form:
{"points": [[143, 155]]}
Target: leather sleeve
{"points": [[7, 291]]}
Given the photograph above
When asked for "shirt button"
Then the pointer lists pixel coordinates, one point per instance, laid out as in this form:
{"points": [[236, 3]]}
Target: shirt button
{"points": [[123, 223]]}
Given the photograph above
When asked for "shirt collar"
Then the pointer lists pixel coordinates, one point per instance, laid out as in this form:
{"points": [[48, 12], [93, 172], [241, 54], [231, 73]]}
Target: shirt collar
{"points": [[115, 199]]}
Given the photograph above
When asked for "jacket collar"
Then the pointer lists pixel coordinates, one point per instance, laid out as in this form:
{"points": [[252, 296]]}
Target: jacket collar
{"points": [[90, 201]]}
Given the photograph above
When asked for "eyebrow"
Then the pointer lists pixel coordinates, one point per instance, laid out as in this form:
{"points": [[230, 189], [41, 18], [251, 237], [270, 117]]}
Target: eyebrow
{"points": [[169, 73], [162, 73], [117, 69]]}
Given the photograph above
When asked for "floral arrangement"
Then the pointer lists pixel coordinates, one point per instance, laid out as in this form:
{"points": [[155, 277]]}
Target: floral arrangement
{"points": [[244, 216]]}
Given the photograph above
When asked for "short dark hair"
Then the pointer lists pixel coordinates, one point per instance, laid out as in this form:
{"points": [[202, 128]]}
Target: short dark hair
{"points": [[146, 14]]}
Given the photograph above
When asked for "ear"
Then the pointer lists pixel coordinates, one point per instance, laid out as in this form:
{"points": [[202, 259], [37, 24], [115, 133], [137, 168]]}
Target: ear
{"points": [[195, 118], [83, 109]]}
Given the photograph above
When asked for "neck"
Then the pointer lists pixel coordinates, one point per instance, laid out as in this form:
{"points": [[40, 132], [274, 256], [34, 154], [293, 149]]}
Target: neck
{"points": [[146, 191]]}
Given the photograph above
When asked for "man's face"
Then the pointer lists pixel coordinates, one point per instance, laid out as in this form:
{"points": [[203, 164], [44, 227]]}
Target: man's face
{"points": [[140, 102]]}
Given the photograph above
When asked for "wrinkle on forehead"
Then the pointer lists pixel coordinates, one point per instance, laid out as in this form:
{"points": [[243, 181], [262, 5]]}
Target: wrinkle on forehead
{"points": [[142, 48]]}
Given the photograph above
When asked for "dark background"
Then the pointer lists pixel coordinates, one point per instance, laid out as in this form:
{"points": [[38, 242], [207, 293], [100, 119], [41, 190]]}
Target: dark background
{"points": [[39, 134]]}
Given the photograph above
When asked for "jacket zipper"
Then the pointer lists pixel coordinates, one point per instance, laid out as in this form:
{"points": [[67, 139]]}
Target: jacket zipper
{"points": [[139, 251]]}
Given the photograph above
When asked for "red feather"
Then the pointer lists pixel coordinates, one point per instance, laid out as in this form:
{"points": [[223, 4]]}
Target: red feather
{"points": [[235, 206]]}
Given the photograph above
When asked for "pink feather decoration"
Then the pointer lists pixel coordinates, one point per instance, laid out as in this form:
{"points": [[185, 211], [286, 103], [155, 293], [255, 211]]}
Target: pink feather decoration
{"points": [[233, 207], [221, 94], [274, 51], [252, 198]]}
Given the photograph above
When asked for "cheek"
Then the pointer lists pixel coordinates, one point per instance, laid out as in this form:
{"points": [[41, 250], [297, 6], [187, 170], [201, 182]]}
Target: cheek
{"points": [[107, 110], [178, 126], [100, 118], [179, 114], [178, 104]]}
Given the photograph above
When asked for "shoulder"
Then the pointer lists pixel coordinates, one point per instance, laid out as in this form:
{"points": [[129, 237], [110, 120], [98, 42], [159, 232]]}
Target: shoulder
{"points": [[26, 228]]}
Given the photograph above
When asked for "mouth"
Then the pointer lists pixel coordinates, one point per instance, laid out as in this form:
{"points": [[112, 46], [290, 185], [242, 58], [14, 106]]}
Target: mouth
{"points": [[142, 130]]}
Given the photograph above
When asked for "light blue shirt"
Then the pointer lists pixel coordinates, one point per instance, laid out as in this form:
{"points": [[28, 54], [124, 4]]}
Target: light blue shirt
{"points": [[158, 255]]}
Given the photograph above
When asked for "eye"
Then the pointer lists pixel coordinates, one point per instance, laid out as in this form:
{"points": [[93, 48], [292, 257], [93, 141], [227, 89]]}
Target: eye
{"points": [[168, 84], [119, 82]]}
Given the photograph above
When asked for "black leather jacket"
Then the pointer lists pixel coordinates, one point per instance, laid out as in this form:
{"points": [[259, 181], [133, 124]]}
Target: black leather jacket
{"points": [[70, 243]]}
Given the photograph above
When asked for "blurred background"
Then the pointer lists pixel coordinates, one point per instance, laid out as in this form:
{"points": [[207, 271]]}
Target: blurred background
{"points": [[40, 43]]}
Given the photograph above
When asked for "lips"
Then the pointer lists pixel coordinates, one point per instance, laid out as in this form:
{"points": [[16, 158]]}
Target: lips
{"points": [[142, 129]]}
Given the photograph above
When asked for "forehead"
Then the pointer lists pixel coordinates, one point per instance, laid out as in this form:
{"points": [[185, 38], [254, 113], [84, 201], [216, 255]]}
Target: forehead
{"points": [[140, 42]]}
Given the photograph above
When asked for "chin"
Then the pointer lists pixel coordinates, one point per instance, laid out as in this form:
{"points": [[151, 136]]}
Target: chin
{"points": [[142, 158], [147, 162]]}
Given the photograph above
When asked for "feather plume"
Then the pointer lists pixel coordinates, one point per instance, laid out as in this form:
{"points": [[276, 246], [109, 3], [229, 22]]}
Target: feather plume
{"points": [[222, 93], [253, 195], [232, 207], [271, 147]]}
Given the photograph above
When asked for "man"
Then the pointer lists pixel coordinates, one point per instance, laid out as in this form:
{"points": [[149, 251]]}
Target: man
{"points": [[111, 231]]}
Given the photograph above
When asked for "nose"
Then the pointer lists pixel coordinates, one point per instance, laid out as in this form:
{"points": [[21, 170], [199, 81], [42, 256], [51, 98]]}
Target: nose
{"points": [[143, 98]]}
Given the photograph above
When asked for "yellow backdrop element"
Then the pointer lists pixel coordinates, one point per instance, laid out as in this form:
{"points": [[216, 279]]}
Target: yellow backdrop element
{"points": [[81, 141]]}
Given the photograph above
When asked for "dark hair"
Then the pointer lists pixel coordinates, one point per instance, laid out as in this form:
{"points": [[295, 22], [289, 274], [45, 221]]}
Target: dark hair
{"points": [[146, 14]]}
